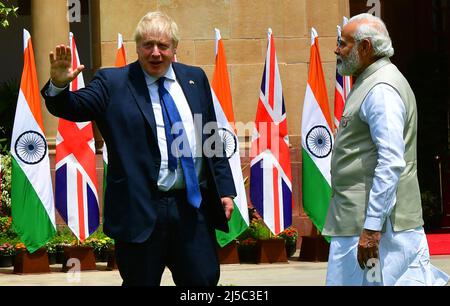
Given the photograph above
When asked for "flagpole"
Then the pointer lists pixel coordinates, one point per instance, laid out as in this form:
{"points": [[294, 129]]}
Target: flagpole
{"points": [[439, 161]]}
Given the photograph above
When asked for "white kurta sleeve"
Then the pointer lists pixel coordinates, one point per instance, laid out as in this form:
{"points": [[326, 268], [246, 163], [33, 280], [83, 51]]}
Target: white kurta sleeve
{"points": [[385, 113]]}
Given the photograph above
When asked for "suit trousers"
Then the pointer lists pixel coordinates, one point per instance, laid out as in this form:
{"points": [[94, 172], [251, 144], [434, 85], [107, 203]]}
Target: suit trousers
{"points": [[182, 240]]}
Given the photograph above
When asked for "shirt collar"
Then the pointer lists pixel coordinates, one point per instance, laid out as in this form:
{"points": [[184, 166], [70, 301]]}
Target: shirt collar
{"points": [[170, 74]]}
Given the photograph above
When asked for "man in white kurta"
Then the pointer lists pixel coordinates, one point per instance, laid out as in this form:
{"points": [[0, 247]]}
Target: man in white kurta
{"points": [[380, 255]]}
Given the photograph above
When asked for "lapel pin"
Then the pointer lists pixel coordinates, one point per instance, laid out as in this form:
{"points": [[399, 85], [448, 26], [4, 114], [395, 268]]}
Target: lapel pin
{"points": [[191, 82]]}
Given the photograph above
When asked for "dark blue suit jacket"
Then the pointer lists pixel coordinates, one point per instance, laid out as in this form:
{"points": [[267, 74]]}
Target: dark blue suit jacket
{"points": [[117, 99]]}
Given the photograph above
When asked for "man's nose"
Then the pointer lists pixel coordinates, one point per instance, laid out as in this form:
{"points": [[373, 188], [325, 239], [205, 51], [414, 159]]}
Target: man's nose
{"points": [[155, 51]]}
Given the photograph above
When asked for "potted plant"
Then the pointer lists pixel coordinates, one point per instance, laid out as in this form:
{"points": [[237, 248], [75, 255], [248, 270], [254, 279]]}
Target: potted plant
{"points": [[290, 236], [55, 247], [5, 226], [8, 239], [267, 247], [5, 199], [247, 250], [101, 247], [7, 252]]}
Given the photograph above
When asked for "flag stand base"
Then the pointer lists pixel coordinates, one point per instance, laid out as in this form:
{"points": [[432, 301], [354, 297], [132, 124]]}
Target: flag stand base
{"points": [[28, 263], [79, 258], [315, 249], [271, 250], [228, 254]]}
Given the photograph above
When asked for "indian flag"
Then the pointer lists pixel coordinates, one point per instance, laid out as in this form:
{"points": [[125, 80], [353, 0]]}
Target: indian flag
{"points": [[33, 208], [223, 107], [317, 141], [121, 58]]}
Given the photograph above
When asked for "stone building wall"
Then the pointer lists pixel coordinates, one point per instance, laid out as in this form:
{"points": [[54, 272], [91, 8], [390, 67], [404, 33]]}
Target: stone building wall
{"points": [[243, 25]]}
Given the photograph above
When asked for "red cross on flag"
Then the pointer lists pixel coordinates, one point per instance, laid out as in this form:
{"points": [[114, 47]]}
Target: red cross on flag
{"points": [[76, 178]]}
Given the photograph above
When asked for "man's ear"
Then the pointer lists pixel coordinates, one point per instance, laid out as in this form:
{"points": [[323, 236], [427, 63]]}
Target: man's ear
{"points": [[365, 47]]}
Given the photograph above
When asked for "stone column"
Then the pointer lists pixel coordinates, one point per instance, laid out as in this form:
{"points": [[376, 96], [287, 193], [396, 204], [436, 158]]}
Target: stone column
{"points": [[49, 27]]}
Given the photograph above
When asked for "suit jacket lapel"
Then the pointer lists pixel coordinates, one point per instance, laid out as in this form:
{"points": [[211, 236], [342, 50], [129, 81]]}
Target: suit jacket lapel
{"points": [[139, 90], [189, 86]]}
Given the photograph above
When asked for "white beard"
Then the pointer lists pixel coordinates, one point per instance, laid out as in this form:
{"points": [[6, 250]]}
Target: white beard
{"points": [[349, 65]]}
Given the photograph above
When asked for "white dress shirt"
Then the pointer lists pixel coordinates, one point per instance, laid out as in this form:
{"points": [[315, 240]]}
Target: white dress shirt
{"points": [[174, 179], [404, 256]]}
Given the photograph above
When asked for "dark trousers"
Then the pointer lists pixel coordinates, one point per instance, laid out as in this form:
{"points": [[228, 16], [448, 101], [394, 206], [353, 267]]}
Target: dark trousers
{"points": [[182, 241]]}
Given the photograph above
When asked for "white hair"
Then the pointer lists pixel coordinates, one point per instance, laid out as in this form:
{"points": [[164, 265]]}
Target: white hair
{"points": [[373, 28]]}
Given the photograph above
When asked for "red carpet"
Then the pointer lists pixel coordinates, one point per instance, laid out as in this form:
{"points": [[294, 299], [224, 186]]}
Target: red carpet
{"points": [[439, 244]]}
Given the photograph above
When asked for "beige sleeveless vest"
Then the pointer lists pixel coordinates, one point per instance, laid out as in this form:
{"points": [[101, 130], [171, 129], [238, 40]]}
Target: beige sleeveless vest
{"points": [[355, 157]]}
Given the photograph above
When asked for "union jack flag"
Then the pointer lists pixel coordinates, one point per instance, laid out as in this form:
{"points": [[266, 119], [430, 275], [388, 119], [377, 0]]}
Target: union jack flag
{"points": [[343, 87], [76, 178], [270, 172]]}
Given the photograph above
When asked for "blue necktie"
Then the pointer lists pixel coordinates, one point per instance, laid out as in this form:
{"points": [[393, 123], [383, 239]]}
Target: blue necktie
{"points": [[171, 116]]}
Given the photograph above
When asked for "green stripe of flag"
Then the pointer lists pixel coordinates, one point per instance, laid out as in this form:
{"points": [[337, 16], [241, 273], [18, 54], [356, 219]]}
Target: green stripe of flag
{"points": [[237, 226], [30, 219], [316, 192]]}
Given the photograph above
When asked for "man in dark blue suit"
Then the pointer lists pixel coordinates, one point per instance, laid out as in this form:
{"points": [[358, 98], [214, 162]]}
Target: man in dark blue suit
{"points": [[166, 192]]}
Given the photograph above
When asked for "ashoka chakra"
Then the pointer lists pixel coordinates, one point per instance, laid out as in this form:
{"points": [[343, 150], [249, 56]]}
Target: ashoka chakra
{"points": [[31, 147], [319, 141], [230, 142]]}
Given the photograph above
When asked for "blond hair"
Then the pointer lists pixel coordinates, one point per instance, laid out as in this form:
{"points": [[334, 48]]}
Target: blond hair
{"points": [[157, 22]]}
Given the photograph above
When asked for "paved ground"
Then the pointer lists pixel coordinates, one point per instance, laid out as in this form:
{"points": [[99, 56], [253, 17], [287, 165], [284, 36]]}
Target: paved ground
{"points": [[293, 273]]}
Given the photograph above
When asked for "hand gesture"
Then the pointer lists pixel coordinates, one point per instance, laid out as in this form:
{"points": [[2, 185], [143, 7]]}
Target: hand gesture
{"points": [[61, 72]]}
